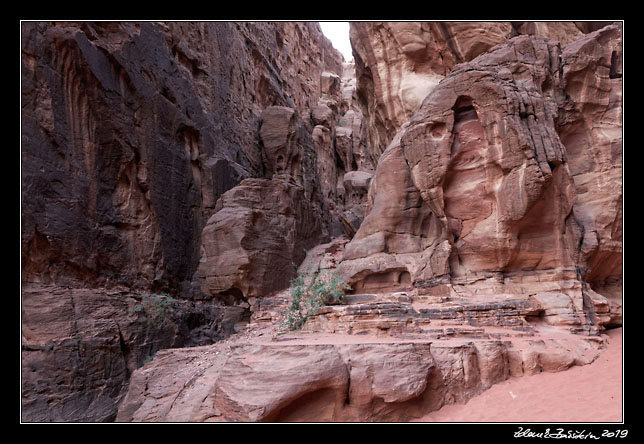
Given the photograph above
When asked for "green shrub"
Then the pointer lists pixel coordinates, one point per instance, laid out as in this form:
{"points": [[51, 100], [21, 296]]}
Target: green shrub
{"points": [[309, 292], [155, 306], [136, 309]]}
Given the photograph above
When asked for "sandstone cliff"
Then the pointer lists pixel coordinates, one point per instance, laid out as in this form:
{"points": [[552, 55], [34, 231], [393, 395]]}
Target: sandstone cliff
{"points": [[465, 179], [399, 63], [132, 131], [491, 186], [131, 134]]}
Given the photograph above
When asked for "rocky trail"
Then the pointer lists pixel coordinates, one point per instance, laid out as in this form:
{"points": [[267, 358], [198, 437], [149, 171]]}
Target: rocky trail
{"points": [[573, 396], [374, 357]]}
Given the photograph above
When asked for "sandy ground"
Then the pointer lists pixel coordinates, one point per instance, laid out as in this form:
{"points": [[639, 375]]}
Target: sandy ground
{"points": [[590, 393]]}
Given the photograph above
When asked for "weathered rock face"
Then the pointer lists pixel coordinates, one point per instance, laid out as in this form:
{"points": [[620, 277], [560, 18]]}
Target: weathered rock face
{"points": [[467, 184], [488, 186], [322, 382], [253, 244], [80, 346], [262, 228], [132, 131], [399, 63], [314, 187], [591, 131], [131, 134]]}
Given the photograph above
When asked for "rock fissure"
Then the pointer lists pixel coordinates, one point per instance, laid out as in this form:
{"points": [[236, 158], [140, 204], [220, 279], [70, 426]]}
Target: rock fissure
{"points": [[125, 352]]}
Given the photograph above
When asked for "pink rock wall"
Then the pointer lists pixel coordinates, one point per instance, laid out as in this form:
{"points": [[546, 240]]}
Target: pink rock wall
{"points": [[495, 178]]}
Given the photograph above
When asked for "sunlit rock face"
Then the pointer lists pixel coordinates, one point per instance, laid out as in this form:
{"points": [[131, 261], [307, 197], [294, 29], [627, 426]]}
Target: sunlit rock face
{"points": [[399, 63], [488, 185]]}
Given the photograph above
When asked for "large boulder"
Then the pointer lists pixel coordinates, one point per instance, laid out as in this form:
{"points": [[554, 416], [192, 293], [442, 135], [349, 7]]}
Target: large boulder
{"points": [[261, 229], [254, 243], [320, 381]]}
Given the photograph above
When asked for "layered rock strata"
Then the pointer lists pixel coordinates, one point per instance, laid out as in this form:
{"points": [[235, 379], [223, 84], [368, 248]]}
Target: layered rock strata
{"points": [[336, 377], [374, 357], [80, 346], [210, 160]]}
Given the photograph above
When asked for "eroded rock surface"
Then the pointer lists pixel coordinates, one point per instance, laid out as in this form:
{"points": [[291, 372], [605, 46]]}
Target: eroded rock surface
{"points": [[132, 131], [80, 346], [131, 134], [253, 244], [466, 181], [478, 193], [315, 187], [316, 378], [399, 63]]}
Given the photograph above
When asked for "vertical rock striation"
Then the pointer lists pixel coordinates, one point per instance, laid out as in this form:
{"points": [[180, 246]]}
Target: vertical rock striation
{"points": [[132, 131], [131, 134], [317, 172]]}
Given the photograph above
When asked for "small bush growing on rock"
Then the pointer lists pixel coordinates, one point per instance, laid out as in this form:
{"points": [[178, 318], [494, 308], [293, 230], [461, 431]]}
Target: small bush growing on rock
{"points": [[311, 291], [155, 306]]}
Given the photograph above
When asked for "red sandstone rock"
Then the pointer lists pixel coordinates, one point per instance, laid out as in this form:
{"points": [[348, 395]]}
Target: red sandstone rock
{"points": [[131, 132], [80, 346], [252, 244], [488, 177], [330, 381], [399, 63], [210, 157]]}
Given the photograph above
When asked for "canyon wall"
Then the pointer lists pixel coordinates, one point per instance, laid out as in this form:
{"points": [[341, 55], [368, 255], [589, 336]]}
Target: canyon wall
{"points": [[507, 180], [176, 175], [399, 63], [132, 131], [132, 135]]}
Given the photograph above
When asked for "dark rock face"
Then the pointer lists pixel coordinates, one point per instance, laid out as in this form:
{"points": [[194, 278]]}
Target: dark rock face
{"points": [[131, 133], [80, 346], [126, 126]]}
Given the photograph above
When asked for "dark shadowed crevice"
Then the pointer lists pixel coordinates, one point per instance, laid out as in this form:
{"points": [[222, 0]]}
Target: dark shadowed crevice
{"points": [[614, 62], [125, 351]]}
